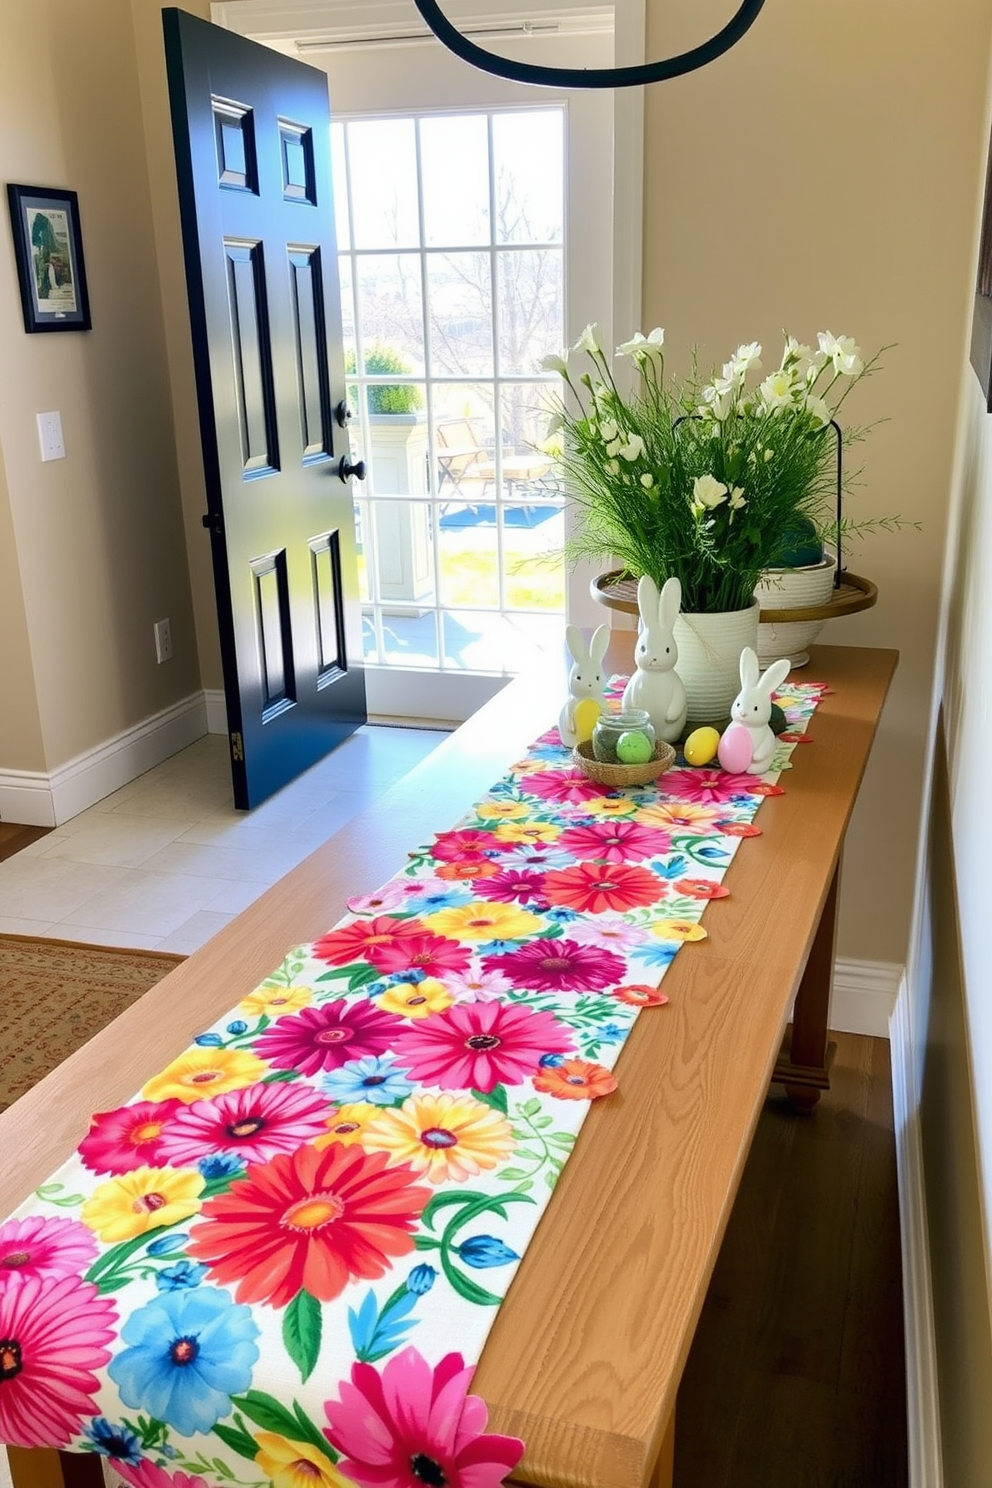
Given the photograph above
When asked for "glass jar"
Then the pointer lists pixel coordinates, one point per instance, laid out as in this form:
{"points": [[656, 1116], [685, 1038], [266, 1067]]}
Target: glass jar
{"points": [[610, 729]]}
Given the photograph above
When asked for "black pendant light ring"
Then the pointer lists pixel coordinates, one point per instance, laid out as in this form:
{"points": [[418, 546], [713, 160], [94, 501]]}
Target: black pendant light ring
{"points": [[589, 77]]}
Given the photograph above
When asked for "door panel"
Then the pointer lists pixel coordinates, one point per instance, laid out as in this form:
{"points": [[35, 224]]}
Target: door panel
{"points": [[251, 131]]}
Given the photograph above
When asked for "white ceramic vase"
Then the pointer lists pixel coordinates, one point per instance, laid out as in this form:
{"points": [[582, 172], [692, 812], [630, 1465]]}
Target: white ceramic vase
{"points": [[710, 647], [792, 589]]}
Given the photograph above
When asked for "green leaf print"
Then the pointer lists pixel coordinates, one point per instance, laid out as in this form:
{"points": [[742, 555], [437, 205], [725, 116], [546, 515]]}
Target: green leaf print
{"points": [[301, 1330]]}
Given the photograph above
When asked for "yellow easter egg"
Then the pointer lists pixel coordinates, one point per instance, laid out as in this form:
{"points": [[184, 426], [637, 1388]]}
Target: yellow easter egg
{"points": [[584, 716], [701, 746]]}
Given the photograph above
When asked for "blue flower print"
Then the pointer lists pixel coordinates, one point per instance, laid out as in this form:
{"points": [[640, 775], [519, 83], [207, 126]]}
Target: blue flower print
{"points": [[188, 1352], [483, 1251], [221, 1165], [421, 1279], [168, 1245], [115, 1442], [448, 899], [238, 1027], [551, 1061], [182, 1274], [559, 915], [372, 1079], [209, 1040], [656, 952], [612, 1033]]}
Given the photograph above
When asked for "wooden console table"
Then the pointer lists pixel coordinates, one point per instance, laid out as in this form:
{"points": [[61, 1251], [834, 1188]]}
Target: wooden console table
{"points": [[586, 1354]]}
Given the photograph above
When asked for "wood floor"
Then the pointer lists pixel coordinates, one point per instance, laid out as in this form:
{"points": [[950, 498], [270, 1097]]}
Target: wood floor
{"points": [[796, 1378], [13, 837]]}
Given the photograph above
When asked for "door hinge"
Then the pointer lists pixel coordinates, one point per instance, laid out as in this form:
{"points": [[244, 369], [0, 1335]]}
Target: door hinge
{"points": [[237, 747]]}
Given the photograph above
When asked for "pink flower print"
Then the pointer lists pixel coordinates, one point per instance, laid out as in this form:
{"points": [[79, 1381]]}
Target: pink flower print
{"points": [[527, 887], [554, 965], [44, 1247], [324, 1038], [53, 1339], [257, 1123], [475, 985], [412, 1426], [706, 785], [560, 785], [128, 1138], [147, 1475], [465, 843], [434, 955], [615, 841], [479, 1045], [390, 896], [611, 932]]}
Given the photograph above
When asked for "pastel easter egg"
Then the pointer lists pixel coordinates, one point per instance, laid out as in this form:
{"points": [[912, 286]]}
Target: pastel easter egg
{"points": [[702, 745], [735, 749], [634, 748], [584, 716]]}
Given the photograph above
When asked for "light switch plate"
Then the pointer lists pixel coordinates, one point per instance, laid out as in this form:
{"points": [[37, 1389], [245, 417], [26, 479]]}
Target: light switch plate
{"points": [[50, 436]]}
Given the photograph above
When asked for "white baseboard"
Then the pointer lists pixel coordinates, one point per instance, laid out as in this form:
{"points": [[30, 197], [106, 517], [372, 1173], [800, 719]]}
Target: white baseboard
{"points": [[35, 799], [864, 996], [922, 1403], [216, 701]]}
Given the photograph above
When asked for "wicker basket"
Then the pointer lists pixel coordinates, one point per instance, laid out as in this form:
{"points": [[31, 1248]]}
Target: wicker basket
{"points": [[618, 776]]}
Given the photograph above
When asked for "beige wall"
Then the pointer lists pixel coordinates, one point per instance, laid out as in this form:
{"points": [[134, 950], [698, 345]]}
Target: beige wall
{"points": [[20, 726], [821, 176], [99, 538]]}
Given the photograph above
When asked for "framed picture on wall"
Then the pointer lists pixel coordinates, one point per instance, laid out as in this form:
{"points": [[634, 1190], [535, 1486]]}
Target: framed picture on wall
{"points": [[981, 323], [48, 248]]}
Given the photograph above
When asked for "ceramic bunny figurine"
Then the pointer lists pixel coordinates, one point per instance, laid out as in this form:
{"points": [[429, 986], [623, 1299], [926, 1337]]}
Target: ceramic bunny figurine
{"points": [[586, 678], [656, 686], [751, 712]]}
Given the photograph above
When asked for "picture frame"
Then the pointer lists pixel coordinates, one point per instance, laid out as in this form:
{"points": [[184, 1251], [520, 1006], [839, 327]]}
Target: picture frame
{"points": [[981, 321], [48, 248]]}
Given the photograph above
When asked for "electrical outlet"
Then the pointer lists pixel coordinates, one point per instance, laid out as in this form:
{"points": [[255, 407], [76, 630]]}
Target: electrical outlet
{"points": [[163, 641], [50, 436]]}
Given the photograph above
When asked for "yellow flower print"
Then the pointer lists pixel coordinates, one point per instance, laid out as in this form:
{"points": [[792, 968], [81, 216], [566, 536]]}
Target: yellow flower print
{"points": [[202, 1072], [505, 810], [680, 815], [272, 1002], [416, 999], [484, 919], [531, 831], [348, 1124], [293, 1464], [608, 806], [142, 1200], [680, 930], [446, 1137]]}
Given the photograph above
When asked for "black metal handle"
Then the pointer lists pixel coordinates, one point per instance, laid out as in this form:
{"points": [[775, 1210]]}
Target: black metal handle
{"points": [[214, 522], [343, 414], [346, 468]]}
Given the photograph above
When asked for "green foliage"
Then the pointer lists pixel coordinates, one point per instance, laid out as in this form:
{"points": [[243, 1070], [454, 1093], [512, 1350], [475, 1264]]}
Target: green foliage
{"points": [[705, 481], [401, 397]]}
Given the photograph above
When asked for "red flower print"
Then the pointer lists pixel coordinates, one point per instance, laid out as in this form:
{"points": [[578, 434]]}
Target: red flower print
{"points": [[793, 738], [352, 942], [707, 785], [739, 829], [558, 966], [469, 842], [765, 788], [514, 883], [615, 841], [53, 1338], [431, 954], [639, 994], [120, 1141], [576, 1079], [311, 1220], [592, 888], [413, 1426], [257, 1122], [560, 785], [324, 1038], [700, 888], [479, 1045]]}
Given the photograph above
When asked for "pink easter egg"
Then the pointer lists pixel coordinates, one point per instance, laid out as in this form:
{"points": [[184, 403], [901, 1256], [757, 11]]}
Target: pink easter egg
{"points": [[734, 751]]}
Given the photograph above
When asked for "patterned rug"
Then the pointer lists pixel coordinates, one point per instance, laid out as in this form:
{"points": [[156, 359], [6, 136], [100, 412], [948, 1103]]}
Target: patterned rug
{"points": [[56, 994]]}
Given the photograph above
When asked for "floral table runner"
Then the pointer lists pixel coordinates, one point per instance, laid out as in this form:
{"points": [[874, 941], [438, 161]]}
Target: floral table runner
{"points": [[259, 1268]]}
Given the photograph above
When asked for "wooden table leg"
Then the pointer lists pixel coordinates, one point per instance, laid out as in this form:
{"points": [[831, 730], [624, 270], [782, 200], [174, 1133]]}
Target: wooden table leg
{"points": [[40, 1467], [664, 1470], [805, 1070]]}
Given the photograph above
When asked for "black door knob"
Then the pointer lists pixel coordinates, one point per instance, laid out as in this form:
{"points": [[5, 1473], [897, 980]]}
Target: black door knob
{"points": [[346, 468], [343, 414]]}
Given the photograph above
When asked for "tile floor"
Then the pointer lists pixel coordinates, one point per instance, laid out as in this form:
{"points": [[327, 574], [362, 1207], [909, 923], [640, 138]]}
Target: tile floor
{"points": [[165, 862]]}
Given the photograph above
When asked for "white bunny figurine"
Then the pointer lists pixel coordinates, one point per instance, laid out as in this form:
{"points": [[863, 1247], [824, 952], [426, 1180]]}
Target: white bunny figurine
{"points": [[752, 707], [656, 686], [586, 678]]}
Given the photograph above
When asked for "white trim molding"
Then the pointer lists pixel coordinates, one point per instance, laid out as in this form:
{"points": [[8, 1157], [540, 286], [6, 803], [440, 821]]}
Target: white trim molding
{"points": [[922, 1401], [863, 998], [35, 799], [216, 701]]}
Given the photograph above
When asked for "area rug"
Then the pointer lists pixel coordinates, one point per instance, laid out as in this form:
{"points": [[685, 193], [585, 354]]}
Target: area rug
{"points": [[56, 994]]}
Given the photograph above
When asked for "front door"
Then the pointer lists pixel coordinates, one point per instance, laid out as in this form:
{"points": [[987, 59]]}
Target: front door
{"points": [[251, 131]]}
